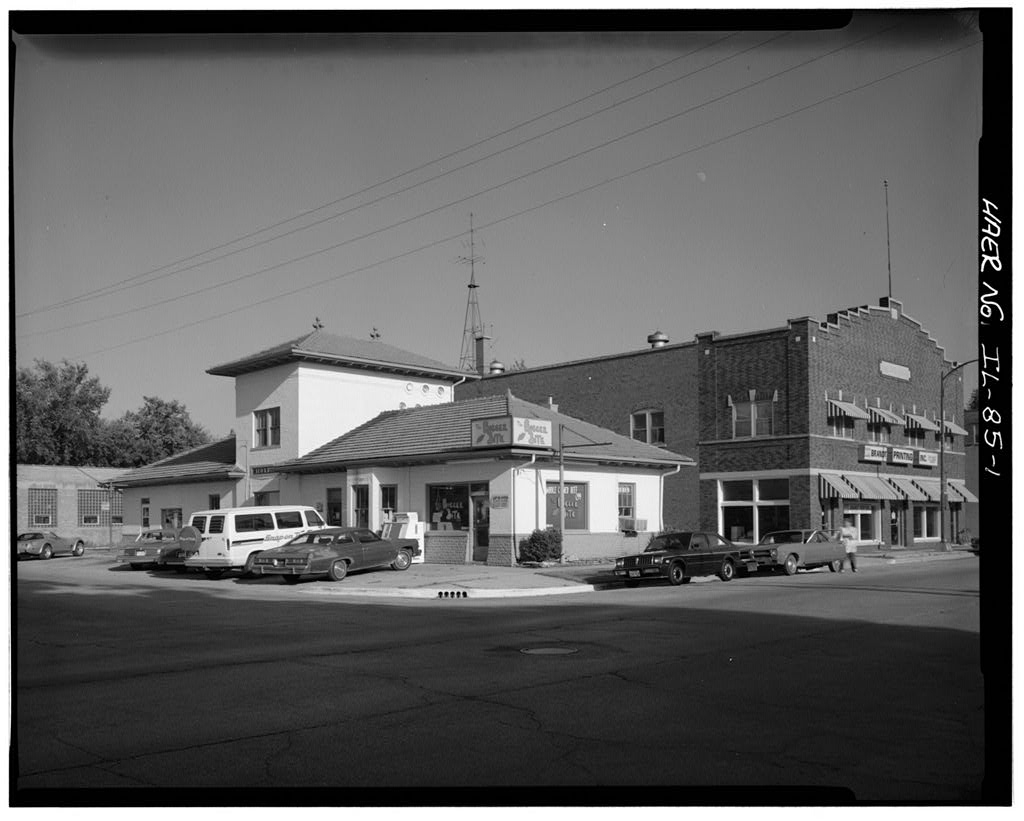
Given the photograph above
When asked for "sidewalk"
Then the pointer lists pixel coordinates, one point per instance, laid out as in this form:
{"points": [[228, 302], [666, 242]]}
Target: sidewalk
{"points": [[478, 581]]}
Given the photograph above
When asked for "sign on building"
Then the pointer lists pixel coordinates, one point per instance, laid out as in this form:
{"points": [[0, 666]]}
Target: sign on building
{"points": [[575, 495], [511, 431]]}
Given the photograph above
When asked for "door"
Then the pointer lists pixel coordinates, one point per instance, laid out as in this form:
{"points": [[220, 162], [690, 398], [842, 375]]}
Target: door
{"points": [[895, 525], [700, 556], [481, 523], [335, 505]]}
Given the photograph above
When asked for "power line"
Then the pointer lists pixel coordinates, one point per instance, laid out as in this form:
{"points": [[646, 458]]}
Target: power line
{"points": [[115, 287], [562, 198], [443, 206]]}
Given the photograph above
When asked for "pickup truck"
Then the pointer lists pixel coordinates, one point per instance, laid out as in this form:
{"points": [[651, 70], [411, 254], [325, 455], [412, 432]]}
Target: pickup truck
{"points": [[793, 549]]}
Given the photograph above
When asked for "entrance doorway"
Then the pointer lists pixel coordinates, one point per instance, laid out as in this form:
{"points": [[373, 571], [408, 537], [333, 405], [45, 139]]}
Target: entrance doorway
{"points": [[335, 505], [481, 521]]}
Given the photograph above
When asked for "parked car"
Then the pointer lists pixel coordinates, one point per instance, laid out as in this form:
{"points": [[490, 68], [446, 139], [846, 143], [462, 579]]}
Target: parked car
{"points": [[334, 552], [45, 543], [680, 556], [793, 549], [149, 549]]}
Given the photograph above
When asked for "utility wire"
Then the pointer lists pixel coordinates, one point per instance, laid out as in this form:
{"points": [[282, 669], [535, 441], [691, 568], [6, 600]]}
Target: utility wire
{"points": [[533, 208], [115, 287], [443, 206]]}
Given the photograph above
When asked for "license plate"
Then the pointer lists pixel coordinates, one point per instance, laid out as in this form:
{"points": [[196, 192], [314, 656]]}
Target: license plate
{"points": [[140, 553], [634, 574]]}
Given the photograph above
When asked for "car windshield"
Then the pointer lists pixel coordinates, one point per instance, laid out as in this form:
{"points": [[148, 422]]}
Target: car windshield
{"points": [[669, 541], [29, 537], [783, 537]]}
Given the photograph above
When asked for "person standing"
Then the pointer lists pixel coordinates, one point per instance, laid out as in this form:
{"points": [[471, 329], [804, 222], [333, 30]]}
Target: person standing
{"points": [[849, 535]]}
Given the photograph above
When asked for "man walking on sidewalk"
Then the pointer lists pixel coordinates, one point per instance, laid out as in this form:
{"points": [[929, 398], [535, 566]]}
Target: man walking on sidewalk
{"points": [[849, 534]]}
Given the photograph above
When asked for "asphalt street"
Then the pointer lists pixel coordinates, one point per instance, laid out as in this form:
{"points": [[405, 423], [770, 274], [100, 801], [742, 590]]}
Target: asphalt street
{"points": [[820, 688]]}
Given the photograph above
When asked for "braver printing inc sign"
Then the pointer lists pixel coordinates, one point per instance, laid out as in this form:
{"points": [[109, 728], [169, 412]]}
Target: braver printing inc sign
{"points": [[874, 453], [899, 456], [513, 431]]}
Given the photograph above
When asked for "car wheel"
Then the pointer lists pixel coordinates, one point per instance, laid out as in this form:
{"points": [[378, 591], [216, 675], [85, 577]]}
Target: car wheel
{"points": [[790, 565], [46, 552], [214, 575], [247, 570], [78, 549], [728, 571], [835, 566], [338, 571], [291, 579], [402, 560], [677, 574]]}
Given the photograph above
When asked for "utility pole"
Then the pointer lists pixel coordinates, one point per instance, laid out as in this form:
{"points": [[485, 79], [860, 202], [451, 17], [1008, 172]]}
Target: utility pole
{"points": [[561, 478], [943, 494]]}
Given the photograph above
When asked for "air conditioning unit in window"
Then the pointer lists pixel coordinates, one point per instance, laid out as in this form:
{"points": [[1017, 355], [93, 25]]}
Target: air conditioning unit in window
{"points": [[631, 525]]}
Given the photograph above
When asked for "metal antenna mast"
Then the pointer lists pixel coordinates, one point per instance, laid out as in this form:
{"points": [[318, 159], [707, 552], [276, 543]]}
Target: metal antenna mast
{"points": [[473, 328], [888, 257]]}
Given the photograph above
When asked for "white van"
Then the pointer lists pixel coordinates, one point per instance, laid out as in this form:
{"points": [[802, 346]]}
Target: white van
{"points": [[229, 538]]}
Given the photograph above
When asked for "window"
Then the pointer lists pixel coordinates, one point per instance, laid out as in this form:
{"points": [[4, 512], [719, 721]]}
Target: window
{"points": [[648, 426], [253, 522], [842, 426], [42, 506], [268, 428], [926, 523], [880, 432], [267, 498], [289, 518], [145, 511], [313, 519], [627, 497], [170, 518], [216, 525], [361, 505], [388, 502], [753, 418], [750, 508], [199, 522], [918, 438], [864, 521], [99, 507], [213, 501]]}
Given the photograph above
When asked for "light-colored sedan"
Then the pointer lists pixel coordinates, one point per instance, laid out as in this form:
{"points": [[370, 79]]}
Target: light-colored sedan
{"points": [[43, 544], [795, 549]]}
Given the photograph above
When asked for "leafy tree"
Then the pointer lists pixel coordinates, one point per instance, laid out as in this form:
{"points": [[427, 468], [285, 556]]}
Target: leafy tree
{"points": [[57, 408], [160, 428]]}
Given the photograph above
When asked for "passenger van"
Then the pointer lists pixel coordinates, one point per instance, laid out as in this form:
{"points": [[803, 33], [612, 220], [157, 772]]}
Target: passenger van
{"points": [[230, 538]]}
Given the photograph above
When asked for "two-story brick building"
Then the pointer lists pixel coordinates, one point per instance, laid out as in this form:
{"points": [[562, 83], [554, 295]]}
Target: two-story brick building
{"points": [[803, 425]]}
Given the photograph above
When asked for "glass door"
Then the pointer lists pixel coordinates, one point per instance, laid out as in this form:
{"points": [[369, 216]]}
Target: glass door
{"points": [[480, 494]]}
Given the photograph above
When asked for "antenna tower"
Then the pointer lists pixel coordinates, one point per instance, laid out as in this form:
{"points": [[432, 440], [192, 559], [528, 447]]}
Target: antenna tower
{"points": [[473, 327], [888, 256]]}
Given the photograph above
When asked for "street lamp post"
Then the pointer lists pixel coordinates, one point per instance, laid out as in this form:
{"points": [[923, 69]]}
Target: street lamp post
{"points": [[943, 494]]}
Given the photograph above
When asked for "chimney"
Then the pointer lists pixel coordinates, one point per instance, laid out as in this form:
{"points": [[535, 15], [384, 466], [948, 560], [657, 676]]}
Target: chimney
{"points": [[551, 404], [480, 353], [657, 339]]}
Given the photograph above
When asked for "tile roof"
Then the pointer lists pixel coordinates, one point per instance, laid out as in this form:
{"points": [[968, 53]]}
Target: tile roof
{"points": [[320, 346], [202, 464], [437, 432]]}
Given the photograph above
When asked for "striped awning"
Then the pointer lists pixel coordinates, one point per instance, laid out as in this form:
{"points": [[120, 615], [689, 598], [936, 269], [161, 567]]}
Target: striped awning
{"points": [[832, 486], [907, 488], [871, 487], [883, 415], [953, 427], [837, 408], [920, 422], [960, 487]]}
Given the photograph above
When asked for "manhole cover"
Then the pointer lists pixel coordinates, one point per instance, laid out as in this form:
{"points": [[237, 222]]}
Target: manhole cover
{"points": [[548, 651]]}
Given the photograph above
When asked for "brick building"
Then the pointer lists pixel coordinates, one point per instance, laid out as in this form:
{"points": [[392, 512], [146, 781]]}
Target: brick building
{"points": [[74, 502], [798, 426]]}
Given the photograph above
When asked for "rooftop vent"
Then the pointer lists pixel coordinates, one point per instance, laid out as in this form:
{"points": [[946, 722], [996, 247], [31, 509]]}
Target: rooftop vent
{"points": [[657, 339], [496, 367]]}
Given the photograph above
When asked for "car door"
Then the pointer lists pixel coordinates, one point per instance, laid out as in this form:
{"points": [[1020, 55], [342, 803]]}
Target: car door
{"points": [[700, 558], [376, 551]]}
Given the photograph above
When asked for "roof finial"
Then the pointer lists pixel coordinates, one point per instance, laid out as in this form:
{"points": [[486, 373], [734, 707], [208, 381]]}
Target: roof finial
{"points": [[374, 334], [317, 324]]}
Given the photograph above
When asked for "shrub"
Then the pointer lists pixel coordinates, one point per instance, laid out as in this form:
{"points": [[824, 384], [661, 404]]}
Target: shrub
{"points": [[541, 546]]}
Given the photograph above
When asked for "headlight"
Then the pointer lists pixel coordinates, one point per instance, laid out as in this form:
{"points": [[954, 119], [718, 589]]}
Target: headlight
{"points": [[775, 553], [620, 562]]}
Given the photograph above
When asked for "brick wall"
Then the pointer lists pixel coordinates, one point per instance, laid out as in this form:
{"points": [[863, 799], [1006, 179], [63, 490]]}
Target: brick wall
{"points": [[445, 547]]}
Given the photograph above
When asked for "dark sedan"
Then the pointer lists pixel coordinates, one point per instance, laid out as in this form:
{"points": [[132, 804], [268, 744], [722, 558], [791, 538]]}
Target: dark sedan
{"points": [[679, 557], [333, 552]]}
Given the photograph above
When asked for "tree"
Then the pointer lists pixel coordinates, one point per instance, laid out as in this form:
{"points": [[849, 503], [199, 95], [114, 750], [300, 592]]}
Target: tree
{"points": [[160, 428], [57, 409]]}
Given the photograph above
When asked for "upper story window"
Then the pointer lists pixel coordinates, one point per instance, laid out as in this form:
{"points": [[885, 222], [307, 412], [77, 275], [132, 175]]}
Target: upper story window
{"points": [[648, 426], [268, 428], [841, 426], [880, 432], [754, 416]]}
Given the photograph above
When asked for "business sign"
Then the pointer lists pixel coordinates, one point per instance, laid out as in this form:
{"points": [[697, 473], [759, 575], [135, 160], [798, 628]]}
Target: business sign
{"points": [[499, 502], [874, 453], [926, 459], [900, 456], [575, 496], [511, 431], [895, 371]]}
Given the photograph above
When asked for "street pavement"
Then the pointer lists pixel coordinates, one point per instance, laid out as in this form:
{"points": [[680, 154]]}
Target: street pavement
{"points": [[480, 581]]}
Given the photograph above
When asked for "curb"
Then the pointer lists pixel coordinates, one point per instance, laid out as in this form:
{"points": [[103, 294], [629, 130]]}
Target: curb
{"points": [[447, 594]]}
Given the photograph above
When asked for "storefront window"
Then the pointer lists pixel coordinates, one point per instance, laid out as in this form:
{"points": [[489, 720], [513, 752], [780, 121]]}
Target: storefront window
{"points": [[926, 522], [865, 522], [749, 502], [738, 523], [737, 491], [449, 507]]}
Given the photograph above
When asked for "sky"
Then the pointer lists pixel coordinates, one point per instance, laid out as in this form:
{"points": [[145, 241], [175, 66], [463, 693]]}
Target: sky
{"points": [[182, 201]]}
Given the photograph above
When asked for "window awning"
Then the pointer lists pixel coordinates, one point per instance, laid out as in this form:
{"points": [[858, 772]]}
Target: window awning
{"points": [[837, 408], [953, 427], [871, 487], [832, 486], [907, 488], [920, 422], [959, 487], [883, 415]]}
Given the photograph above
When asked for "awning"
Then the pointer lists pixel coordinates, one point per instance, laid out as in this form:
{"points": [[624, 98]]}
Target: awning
{"points": [[832, 486], [953, 427], [920, 422], [883, 415], [837, 408], [907, 488], [871, 487], [958, 486]]}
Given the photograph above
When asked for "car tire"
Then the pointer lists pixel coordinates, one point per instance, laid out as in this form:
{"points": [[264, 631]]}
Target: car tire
{"points": [[78, 549], [835, 566], [402, 560], [46, 552], [728, 571], [338, 571], [677, 574], [791, 564], [247, 570], [291, 579]]}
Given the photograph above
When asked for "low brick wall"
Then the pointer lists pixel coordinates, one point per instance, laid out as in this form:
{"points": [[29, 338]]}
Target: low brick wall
{"points": [[445, 547], [499, 550]]}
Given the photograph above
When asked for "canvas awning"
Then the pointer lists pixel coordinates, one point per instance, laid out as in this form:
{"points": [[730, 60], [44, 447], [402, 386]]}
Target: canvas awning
{"points": [[959, 487], [838, 408], [953, 427], [871, 487], [883, 415], [832, 486], [920, 422], [907, 488]]}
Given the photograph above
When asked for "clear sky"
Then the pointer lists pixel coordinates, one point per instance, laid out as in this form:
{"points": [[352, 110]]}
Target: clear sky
{"points": [[619, 183]]}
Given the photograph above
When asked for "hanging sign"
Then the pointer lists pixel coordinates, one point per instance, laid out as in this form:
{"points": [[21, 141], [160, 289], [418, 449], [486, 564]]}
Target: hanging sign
{"points": [[899, 456], [874, 453]]}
